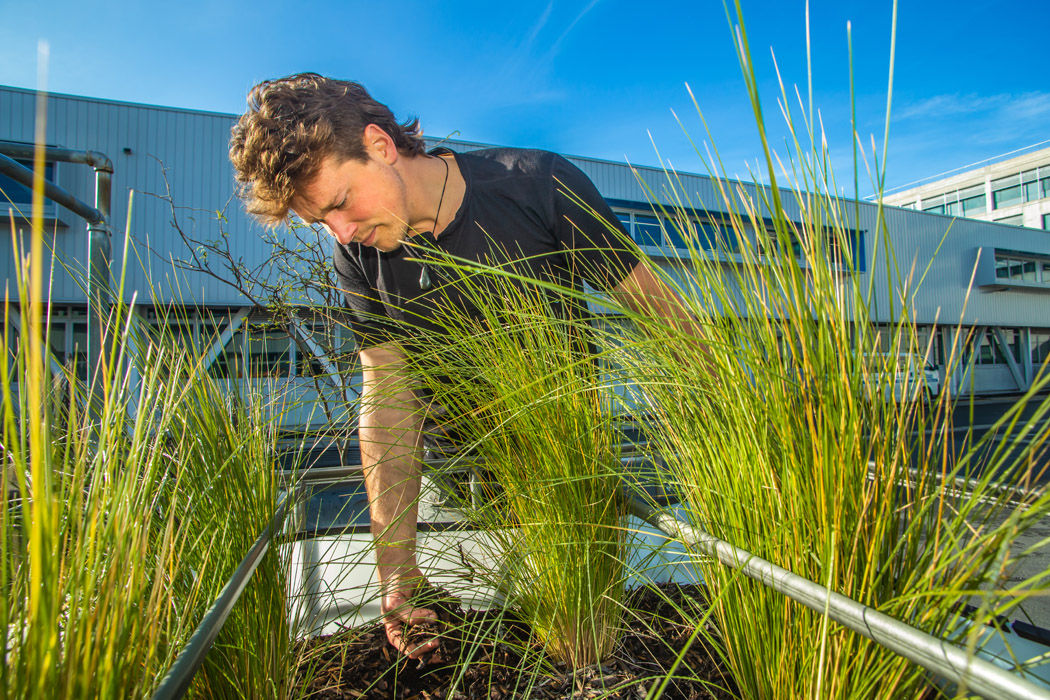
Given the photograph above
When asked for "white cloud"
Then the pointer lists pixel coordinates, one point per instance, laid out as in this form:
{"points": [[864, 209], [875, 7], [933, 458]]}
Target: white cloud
{"points": [[1026, 105]]}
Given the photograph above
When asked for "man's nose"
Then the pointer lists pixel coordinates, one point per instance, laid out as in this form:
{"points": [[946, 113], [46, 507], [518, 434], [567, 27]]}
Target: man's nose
{"points": [[341, 227]]}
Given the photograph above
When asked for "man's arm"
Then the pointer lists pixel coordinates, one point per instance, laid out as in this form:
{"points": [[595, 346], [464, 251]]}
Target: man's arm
{"points": [[645, 293], [390, 433]]}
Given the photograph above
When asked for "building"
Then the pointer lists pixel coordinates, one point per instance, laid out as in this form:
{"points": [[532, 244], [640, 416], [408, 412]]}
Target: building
{"points": [[1015, 192], [986, 289]]}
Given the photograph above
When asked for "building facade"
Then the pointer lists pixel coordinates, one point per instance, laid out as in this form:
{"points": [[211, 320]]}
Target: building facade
{"points": [[1015, 192], [985, 285]]}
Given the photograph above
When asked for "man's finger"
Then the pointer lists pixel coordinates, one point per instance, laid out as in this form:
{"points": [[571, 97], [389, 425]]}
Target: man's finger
{"points": [[395, 635]]}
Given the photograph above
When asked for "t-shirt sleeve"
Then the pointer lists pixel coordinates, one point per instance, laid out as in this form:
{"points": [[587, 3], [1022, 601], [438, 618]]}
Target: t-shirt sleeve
{"points": [[600, 250], [369, 320]]}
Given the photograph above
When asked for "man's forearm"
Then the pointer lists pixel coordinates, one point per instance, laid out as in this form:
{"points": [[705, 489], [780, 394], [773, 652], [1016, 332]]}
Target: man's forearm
{"points": [[389, 430], [390, 455]]}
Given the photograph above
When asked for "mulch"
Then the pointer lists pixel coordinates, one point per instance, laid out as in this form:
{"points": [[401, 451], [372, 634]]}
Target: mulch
{"points": [[496, 660]]}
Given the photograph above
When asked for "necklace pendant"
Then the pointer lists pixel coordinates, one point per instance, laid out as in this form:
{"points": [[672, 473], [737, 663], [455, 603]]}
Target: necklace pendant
{"points": [[424, 279]]}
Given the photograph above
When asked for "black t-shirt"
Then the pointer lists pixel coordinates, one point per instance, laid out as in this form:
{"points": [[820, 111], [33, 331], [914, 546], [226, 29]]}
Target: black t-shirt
{"points": [[529, 206]]}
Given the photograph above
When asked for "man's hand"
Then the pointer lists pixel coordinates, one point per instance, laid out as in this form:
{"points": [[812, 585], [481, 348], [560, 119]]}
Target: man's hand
{"points": [[399, 614]]}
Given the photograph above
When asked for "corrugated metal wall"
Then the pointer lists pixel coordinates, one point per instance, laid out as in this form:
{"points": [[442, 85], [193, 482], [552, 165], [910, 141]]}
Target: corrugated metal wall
{"points": [[190, 147], [146, 144]]}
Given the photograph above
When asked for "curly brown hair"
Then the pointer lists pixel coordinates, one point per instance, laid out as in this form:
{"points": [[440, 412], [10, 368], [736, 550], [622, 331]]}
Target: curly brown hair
{"points": [[292, 124]]}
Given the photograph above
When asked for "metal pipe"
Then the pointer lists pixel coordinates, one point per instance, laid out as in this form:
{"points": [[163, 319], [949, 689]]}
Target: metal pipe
{"points": [[24, 176], [26, 151], [99, 292], [934, 654], [178, 678]]}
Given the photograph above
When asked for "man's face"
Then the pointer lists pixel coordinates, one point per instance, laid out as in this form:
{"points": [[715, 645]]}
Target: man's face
{"points": [[357, 201]]}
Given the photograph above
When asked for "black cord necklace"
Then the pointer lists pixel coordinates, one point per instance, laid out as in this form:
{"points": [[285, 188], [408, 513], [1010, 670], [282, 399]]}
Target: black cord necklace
{"points": [[424, 274]]}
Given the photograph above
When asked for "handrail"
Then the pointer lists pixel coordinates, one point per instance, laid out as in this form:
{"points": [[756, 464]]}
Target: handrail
{"points": [[932, 653], [24, 176], [178, 678]]}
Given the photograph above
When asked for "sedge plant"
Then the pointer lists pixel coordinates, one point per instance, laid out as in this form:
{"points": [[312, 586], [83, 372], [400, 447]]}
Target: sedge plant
{"points": [[515, 386], [129, 502], [787, 436]]}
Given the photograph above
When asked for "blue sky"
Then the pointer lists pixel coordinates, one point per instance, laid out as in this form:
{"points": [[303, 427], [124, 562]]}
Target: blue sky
{"points": [[583, 77]]}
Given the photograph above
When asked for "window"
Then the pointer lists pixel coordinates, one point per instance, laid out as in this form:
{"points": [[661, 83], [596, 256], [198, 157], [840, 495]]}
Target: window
{"points": [[1013, 338], [1046, 222], [338, 341], [1040, 344], [1028, 186], [988, 353], [964, 202], [936, 208], [1015, 267], [1006, 192], [647, 230], [19, 197], [972, 201]]}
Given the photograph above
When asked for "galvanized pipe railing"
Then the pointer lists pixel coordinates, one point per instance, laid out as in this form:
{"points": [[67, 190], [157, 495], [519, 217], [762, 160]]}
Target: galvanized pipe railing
{"points": [[936, 655], [100, 295], [24, 176]]}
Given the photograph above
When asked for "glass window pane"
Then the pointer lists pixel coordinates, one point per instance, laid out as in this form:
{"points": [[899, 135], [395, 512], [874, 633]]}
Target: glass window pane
{"points": [[228, 363], [1040, 346], [268, 351], [12, 192], [647, 230], [1006, 197], [973, 205], [58, 341], [675, 233], [79, 348], [1031, 191], [1028, 271], [1002, 268]]}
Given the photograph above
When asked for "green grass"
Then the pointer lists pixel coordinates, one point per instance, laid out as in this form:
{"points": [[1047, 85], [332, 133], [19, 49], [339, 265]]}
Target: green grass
{"points": [[783, 443], [129, 503], [521, 397]]}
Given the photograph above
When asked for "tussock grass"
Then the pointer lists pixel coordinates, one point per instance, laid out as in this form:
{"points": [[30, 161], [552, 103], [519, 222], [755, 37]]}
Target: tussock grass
{"points": [[129, 503], [785, 439], [517, 389]]}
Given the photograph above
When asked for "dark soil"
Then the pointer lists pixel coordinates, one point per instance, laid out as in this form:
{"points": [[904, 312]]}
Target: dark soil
{"points": [[494, 659]]}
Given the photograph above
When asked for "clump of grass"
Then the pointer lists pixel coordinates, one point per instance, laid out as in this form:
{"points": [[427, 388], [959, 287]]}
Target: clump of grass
{"points": [[128, 503], [517, 387], [783, 442], [224, 450]]}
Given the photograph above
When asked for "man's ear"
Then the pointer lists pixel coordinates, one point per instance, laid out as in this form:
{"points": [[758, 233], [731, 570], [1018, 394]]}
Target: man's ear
{"points": [[379, 144]]}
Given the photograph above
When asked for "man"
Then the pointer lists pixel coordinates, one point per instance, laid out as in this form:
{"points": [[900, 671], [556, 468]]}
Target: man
{"points": [[325, 150]]}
